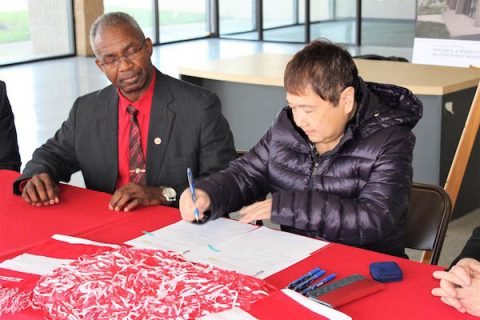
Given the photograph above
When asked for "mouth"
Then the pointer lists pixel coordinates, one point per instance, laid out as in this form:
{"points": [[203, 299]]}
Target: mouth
{"points": [[131, 79]]}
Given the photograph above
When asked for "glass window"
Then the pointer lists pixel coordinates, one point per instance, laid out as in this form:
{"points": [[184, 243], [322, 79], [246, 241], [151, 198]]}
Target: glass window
{"points": [[237, 19], [279, 13], [26, 36], [388, 23], [283, 20], [182, 19], [333, 20], [141, 10]]}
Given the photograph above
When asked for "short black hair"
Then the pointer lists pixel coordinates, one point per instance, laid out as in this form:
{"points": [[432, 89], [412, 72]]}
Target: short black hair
{"points": [[324, 67], [114, 19]]}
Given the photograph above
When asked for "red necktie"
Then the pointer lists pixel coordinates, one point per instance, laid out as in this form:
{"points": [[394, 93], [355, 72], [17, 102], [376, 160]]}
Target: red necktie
{"points": [[137, 161]]}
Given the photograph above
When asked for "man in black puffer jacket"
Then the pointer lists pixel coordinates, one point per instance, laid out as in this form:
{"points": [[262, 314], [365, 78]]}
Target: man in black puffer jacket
{"points": [[337, 160]]}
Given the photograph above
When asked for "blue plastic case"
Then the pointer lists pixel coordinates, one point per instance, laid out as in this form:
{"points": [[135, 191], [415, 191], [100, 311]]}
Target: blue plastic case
{"points": [[388, 271]]}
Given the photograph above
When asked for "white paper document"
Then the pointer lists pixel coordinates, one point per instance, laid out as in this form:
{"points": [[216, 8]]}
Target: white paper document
{"points": [[31, 263], [41, 265], [184, 237], [259, 253], [232, 245]]}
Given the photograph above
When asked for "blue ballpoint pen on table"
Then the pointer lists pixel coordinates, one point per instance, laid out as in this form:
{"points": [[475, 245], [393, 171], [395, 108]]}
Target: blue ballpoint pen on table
{"points": [[191, 184], [302, 278], [319, 284], [308, 281]]}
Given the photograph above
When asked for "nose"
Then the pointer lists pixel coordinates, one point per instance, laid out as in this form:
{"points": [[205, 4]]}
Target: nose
{"points": [[300, 119], [124, 63]]}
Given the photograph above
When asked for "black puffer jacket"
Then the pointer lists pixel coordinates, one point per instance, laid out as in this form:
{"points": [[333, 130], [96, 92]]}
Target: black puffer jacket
{"points": [[356, 194]]}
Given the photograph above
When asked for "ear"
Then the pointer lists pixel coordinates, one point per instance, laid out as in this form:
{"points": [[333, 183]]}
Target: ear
{"points": [[99, 65], [149, 46], [347, 99]]}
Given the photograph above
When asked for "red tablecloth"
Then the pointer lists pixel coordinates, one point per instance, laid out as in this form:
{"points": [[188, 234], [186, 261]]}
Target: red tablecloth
{"points": [[408, 299], [23, 226], [85, 214]]}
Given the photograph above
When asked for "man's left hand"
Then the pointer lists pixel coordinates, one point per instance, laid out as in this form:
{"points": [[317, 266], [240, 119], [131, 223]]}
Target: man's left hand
{"points": [[258, 211], [133, 195]]}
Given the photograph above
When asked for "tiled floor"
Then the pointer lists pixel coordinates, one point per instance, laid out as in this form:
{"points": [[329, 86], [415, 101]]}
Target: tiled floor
{"points": [[42, 94]]}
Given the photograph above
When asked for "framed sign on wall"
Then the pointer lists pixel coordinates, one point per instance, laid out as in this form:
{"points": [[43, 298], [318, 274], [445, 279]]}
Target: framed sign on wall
{"points": [[447, 33]]}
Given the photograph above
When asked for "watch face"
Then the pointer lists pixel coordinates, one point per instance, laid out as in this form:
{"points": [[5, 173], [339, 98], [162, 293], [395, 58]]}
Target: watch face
{"points": [[169, 194]]}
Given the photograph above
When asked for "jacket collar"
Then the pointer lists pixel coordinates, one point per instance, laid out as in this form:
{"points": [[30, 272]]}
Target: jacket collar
{"points": [[378, 106], [384, 105], [162, 117]]}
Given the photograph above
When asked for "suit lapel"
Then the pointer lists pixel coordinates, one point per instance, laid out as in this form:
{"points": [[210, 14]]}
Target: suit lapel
{"points": [[161, 122], [107, 127]]}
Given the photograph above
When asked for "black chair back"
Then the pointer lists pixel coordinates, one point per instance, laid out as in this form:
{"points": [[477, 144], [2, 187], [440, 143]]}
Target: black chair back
{"points": [[428, 216]]}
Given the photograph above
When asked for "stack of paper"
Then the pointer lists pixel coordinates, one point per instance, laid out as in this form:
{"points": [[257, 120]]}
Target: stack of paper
{"points": [[229, 244]]}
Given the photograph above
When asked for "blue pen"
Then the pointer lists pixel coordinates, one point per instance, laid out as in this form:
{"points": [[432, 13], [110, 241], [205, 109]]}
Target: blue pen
{"points": [[291, 285], [304, 284], [191, 183], [320, 283]]}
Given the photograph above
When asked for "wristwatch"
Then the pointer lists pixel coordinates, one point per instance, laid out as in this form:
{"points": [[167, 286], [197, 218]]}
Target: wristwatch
{"points": [[169, 194]]}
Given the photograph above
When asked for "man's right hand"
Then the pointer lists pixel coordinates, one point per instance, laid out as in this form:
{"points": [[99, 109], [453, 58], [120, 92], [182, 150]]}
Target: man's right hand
{"points": [[41, 190], [187, 206]]}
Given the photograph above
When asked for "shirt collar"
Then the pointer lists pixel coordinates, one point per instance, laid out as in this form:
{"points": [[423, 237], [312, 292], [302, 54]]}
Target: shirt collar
{"points": [[144, 100]]}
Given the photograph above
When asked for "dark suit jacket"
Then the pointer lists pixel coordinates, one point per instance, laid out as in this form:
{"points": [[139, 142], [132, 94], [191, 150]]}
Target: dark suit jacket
{"points": [[9, 156], [471, 249], [185, 117]]}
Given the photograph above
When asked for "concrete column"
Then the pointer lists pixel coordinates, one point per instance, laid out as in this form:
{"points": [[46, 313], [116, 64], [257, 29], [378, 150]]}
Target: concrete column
{"points": [[50, 26], [452, 4], [86, 11], [459, 8], [476, 17]]}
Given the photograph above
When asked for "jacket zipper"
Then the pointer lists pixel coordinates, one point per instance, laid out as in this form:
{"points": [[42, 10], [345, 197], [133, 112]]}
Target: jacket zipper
{"points": [[316, 165]]}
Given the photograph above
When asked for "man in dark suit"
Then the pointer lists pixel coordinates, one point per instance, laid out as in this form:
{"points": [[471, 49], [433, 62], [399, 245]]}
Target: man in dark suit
{"points": [[180, 125], [9, 156]]}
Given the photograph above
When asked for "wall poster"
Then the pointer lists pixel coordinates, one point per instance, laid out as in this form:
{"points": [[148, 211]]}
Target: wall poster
{"points": [[447, 33]]}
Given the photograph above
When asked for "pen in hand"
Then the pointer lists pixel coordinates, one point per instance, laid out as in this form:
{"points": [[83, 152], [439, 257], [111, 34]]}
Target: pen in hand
{"points": [[191, 184]]}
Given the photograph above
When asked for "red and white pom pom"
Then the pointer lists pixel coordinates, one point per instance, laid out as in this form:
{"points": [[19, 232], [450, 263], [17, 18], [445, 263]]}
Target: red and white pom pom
{"points": [[13, 300], [129, 283]]}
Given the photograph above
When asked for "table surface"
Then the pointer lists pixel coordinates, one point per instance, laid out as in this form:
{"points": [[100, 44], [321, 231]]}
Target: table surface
{"points": [[267, 69], [85, 213]]}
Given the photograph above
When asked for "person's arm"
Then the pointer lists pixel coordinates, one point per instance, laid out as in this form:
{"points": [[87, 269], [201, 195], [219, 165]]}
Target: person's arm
{"points": [[9, 155], [243, 182], [56, 157], [366, 218], [471, 248]]}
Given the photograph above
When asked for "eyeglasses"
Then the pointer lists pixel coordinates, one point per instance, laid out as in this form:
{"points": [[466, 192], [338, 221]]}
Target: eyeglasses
{"points": [[131, 54]]}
